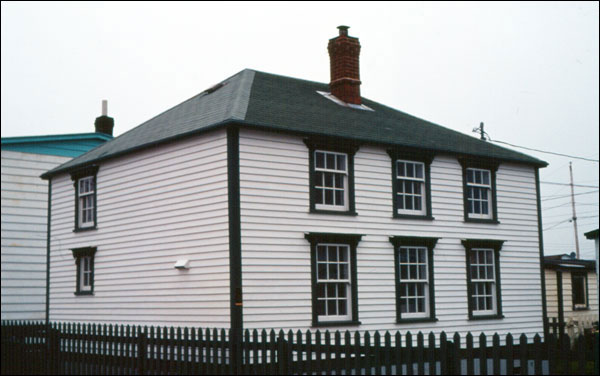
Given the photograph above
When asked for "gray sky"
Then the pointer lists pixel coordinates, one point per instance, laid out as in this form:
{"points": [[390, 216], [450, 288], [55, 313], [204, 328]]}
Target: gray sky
{"points": [[528, 70]]}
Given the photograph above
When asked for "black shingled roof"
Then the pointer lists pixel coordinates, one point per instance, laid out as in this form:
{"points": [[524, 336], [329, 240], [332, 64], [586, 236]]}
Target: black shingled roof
{"points": [[266, 101]]}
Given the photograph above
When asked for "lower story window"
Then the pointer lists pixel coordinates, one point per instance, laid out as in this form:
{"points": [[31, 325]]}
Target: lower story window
{"points": [[334, 287], [84, 260], [579, 290], [483, 278]]}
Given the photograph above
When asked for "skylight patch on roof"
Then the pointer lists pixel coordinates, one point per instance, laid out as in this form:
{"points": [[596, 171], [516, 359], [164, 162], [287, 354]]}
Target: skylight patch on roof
{"points": [[334, 99]]}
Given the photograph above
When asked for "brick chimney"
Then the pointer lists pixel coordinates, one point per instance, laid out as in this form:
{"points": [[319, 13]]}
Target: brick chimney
{"points": [[343, 57], [104, 124]]}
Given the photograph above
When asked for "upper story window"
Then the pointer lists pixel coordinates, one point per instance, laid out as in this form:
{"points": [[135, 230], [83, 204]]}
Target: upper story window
{"points": [[331, 177], [411, 183], [85, 198], [331, 180], [415, 292], [479, 193], [483, 278], [84, 259], [479, 186], [334, 283]]}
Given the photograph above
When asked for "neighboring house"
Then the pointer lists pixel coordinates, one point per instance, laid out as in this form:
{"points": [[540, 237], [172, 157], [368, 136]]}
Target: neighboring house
{"points": [[273, 202], [571, 289], [25, 215]]}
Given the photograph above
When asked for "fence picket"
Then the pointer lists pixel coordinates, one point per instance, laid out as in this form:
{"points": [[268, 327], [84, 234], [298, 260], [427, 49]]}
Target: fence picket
{"points": [[483, 354], [509, 354], [420, 358], [496, 354], [523, 352]]}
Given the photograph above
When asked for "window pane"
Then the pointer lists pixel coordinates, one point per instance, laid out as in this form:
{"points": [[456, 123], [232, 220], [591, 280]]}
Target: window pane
{"points": [[331, 288], [403, 305], [329, 197], [486, 177], [342, 307], [321, 253], [332, 253], [339, 181], [330, 162], [401, 170], [329, 180], [344, 271], [410, 172], [319, 193], [341, 290], [343, 253], [403, 271], [341, 162], [419, 171], [320, 159], [578, 288], [332, 307], [412, 306], [469, 176], [422, 256], [422, 272], [403, 255], [408, 203], [321, 307], [320, 290], [421, 305], [322, 271], [417, 203], [474, 274], [333, 271], [339, 198]]}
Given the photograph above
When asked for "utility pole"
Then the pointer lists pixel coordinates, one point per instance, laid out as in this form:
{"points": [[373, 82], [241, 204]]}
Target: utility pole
{"points": [[574, 219]]}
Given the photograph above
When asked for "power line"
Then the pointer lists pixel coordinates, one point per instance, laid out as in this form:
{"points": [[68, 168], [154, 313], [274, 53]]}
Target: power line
{"points": [[547, 152], [565, 196], [484, 134], [567, 184]]}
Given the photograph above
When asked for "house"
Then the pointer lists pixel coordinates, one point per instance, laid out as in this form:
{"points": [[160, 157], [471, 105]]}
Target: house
{"points": [[273, 202], [25, 214], [571, 290]]}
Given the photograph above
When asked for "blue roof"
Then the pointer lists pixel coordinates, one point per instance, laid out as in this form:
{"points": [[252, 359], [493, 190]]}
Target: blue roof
{"points": [[68, 145]]}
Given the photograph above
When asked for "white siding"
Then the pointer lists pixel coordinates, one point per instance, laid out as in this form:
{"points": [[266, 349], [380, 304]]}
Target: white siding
{"points": [[276, 257], [155, 207], [24, 223]]}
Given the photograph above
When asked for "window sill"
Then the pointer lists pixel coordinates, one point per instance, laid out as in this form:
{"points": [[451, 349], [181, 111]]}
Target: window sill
{"points": [[481, 220], [410, 216], [416, 320], [487, 317], [84, 229], [83, 293], [333, 212], [335, 323], [581, 308]]}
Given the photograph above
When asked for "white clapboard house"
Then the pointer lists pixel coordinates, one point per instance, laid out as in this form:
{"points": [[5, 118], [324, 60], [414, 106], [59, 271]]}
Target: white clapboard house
{"points": [[274, 202], [25, 213]]}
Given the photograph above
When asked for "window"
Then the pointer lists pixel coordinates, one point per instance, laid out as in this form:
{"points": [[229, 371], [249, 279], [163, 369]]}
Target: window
{"points": [[84, 259], [331, 180], [85, 198], [334, 287], [479, 193], [479, 185], [411, 184], [579, 290], [483, 278], [331, 177], [415, 293]]}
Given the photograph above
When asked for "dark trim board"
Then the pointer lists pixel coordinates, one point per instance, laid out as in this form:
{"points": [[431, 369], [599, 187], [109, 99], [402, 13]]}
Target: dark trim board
{"points": [[235, 232], [541, 245], [48, 252]]}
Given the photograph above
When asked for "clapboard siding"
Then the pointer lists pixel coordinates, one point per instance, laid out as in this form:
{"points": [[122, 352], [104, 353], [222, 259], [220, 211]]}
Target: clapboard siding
{"points": [[276, 266], [154, 207], [24, 225]]}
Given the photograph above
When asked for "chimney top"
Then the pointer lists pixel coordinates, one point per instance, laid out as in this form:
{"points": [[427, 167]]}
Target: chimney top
{"points": [[104, 124], [343, 30]]}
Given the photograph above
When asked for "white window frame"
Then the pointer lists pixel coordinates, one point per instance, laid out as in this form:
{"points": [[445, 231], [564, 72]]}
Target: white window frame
{"points": [[478, 265], [487, 187], [326, 281], [321, 185], [86, 196], [414, 281], [89, 272], [584, 293], [413, 179]]}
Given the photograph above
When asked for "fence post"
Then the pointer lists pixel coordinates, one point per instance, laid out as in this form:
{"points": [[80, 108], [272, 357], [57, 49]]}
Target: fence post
{"points": [[142, 348]]}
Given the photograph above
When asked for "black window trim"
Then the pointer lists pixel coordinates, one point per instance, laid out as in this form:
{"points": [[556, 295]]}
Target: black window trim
{"points": [[584, 274], [78, 253], [76, 176], [425, 157], [486, 164], [352, 241], [337, 146], [496, 245], [414, 241]]}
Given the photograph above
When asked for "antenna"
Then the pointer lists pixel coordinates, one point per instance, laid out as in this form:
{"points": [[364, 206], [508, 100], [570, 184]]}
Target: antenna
{"points": [[480, 131]]}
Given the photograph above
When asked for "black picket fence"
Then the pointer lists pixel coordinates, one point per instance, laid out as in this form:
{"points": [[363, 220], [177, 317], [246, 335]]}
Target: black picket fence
{"points": [[66, 349]]}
